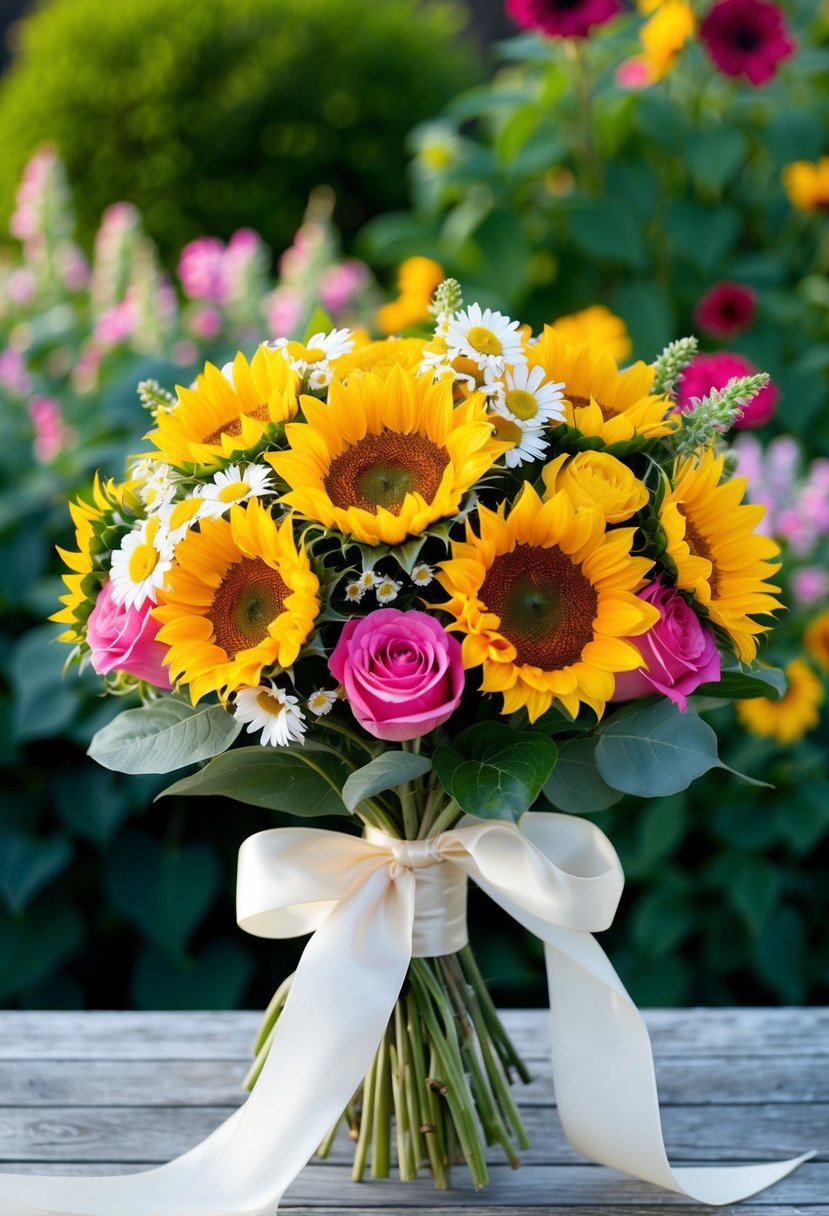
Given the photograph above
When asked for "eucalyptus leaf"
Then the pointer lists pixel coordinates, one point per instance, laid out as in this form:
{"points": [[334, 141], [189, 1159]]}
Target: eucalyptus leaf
{"points": [[575, 784], [495, 772], [384, 773], [653, 750], [164, 736], [302, 782]]}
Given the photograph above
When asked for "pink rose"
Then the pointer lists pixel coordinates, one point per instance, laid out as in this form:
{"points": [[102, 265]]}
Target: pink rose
{"points": [[402, 672], [123, 639], [679, 651]]}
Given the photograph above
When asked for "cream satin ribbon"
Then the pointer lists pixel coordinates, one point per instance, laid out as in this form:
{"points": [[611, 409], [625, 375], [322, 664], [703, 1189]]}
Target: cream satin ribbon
{"points": [[369, 903]]}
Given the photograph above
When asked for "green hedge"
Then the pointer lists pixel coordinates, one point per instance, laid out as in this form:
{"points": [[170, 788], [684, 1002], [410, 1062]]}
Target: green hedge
{"points": [[219, 114]]}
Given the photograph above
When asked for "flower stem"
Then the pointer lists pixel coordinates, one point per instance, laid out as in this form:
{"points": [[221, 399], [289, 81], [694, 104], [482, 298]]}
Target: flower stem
{"points": [[366, 1118], [509, 1056], [381, 1101], [431, 1121], [446, 818]]}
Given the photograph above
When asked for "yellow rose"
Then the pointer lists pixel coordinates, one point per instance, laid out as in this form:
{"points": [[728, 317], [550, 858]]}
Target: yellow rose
{"points": [[599, 481]]}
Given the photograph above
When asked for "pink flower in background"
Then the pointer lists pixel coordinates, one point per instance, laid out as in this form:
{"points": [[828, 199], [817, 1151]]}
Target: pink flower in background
{"points": [[123, 639], [284, 308], [13, 374], [402, 672], [810, 585], [339, 284], [206, 323], [726, 309], [633, 73], [202, 271], [562, 18], [73, 268], [25, 222], [20, 286], [50, 432], [706, 372], [746, 38], [117, 324], [679, 651]]}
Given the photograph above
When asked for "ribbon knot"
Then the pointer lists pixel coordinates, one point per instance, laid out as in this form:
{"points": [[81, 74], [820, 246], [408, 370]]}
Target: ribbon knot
{"points": [[415, 854]]}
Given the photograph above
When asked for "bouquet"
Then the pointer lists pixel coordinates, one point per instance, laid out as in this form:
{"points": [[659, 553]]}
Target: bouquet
{"points": [[427, 584]]}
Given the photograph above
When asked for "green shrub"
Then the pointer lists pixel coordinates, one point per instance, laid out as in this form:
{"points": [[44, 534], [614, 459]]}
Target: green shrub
{"points": [[225, 113]]}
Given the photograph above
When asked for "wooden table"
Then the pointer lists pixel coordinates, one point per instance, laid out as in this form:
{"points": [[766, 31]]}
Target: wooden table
{"points": [[109, 1092]]}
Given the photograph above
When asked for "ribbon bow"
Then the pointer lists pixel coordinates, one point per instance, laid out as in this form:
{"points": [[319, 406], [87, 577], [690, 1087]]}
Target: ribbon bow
{"points": [[372, 904]]}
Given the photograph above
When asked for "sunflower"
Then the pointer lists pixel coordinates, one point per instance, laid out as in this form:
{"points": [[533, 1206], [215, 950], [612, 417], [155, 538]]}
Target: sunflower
{"points": [[797, 712], [816, 639], [380, 357], [241, 597], [546, 598], [595, 326], [710, 537], [229, 412], [807, 184], [600, 400], [386, 457], [84, 583]]}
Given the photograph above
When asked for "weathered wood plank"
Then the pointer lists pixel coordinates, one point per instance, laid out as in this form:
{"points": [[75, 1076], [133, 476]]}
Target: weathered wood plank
{"points": [[155, 1134], [707, 1080], [227, 1035]]}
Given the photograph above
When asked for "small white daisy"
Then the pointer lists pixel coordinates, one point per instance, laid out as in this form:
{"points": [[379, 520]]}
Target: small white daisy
{"points": [[386, 589], [157, 483], [320, 350], [321, 701], [232, 485], [354, 592], [367, 580], [320, 377], [486, 337], [139, 567], [178, 518], [422, 575], [271, 710], [529, 443], [528, 400]]}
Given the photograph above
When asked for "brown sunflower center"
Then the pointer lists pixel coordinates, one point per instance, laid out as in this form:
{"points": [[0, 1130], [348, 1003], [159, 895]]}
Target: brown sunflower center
{"points": [[700, 547], [233, 428], [380, 470], [545, 603], [248, 599], [581, 403]]}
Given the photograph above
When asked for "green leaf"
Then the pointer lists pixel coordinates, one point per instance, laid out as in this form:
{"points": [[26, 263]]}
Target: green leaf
{"points": [[703, 235], [319, 322], [163, 892], [495, 772], [575, 783], [782, 955], [744, 681], [33, 946], [516, 131], [28, 864], [662, 919], [752, 888], [277, 779], [715, 156], [215, 979], [653, 750], [164, 736], [608, 230], [384, 773]]}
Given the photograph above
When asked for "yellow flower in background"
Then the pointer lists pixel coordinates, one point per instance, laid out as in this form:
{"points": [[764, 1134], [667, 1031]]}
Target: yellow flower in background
{"points": [[816, 639], [228, 412], [600, 400], [664, 36], [597, 481], [797, 712], [381, 357], [710, 537], [807, 184], [597, 326], [240, 598], [386, 456], [417, 280], [546, 598]]}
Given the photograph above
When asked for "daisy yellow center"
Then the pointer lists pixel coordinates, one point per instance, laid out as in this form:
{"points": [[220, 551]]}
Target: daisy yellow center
{"points": [[233, 492], [484, 340], [233, 428], [522, 404], [700, 547], [380, 470], [509, 432], [248, 599], [545, 604], [143, 560], [269, 703]]}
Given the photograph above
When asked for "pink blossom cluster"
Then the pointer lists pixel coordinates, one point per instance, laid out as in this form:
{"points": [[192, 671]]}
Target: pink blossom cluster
{"points": [[43, 221], [51, 433], [309, 264], [14, 377]]}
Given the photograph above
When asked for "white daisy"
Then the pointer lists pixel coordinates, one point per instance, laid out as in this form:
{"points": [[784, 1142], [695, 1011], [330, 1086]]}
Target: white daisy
{"points": [[529, 443], [527, 400], [317, 354], [232, 485], [320, 377], [178, 518], [139, 567], [321, 701], [367, 580], [488, 338], [271, 710], [354, 592], [157, 483], [386, 589], [422, 575]]}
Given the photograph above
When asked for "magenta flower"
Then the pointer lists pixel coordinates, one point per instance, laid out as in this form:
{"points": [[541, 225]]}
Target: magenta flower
{"points": [[746, 38], [725, 310], [679, 651], [706, 372], [562, 18], [123, 639], [201, 269], [401, 671]]}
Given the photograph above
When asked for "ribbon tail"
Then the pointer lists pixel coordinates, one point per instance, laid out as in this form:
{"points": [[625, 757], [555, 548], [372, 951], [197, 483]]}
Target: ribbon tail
{"points": [[342, 996], [605, 1082]]}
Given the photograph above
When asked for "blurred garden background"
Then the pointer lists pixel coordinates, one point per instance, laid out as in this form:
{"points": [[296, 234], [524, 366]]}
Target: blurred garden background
{"points": [[179, 180]]}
